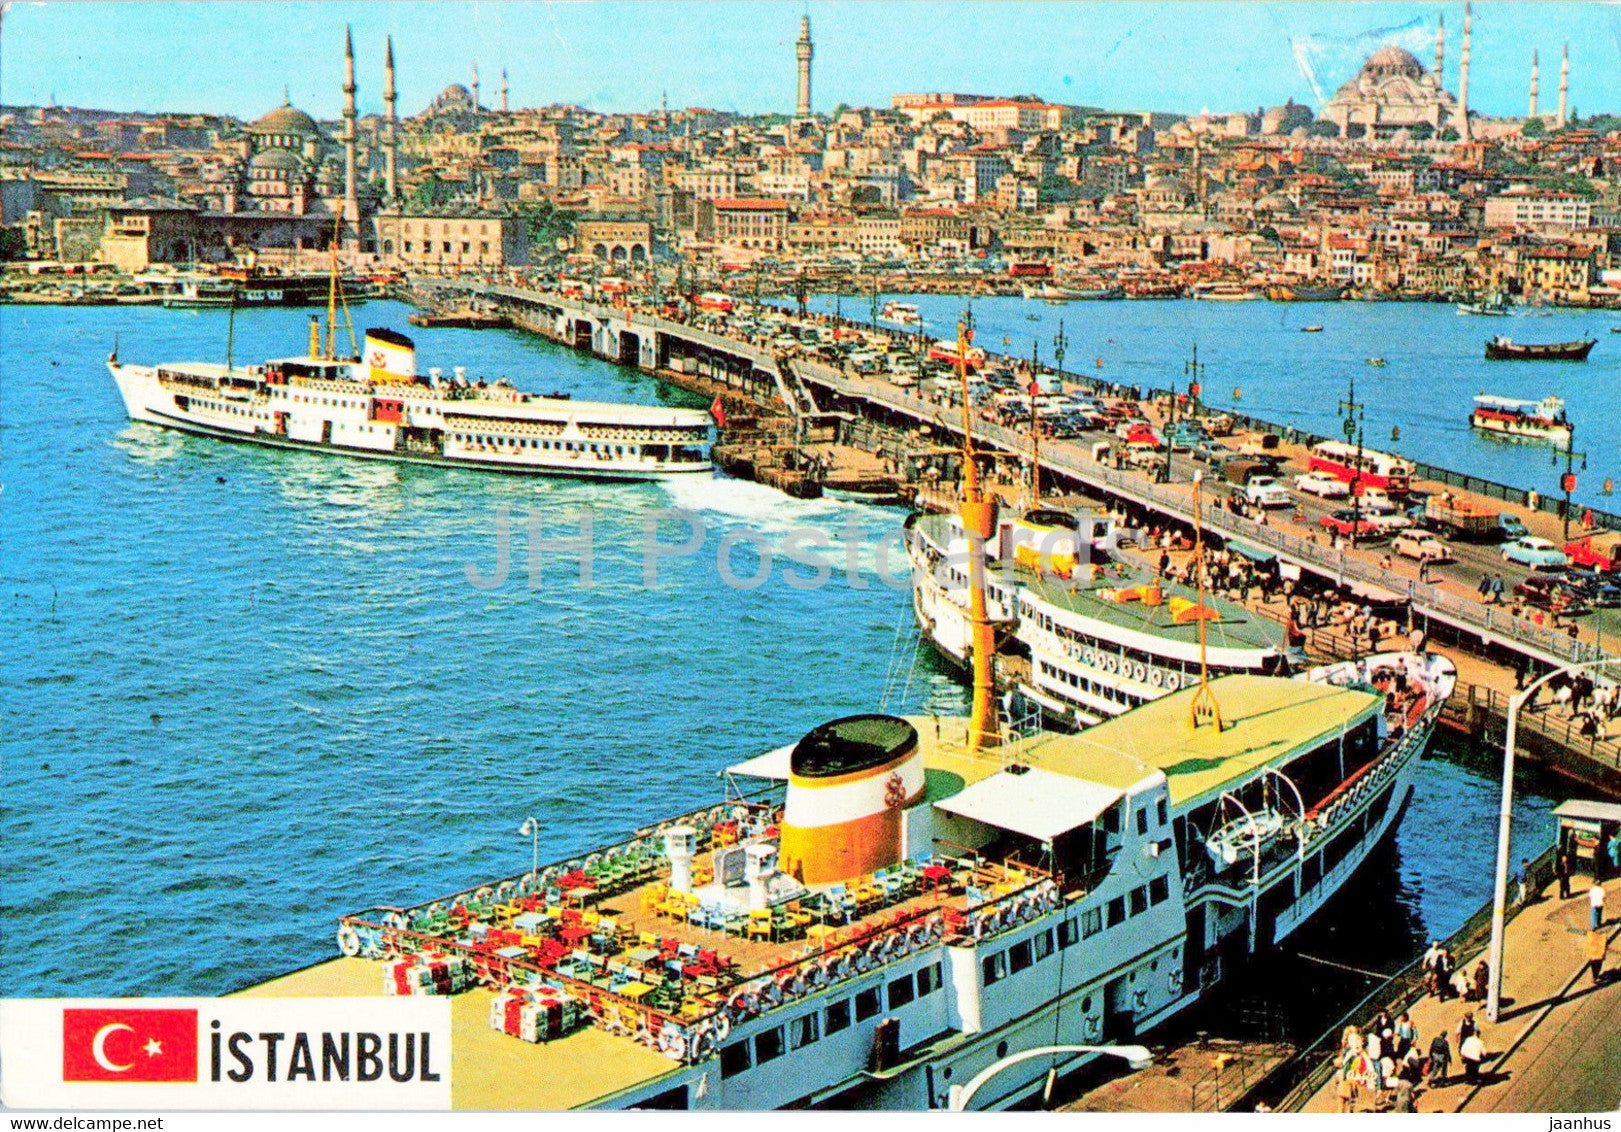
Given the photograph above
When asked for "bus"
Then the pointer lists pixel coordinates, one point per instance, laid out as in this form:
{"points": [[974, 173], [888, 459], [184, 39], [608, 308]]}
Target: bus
{"points": [[1377, 469]]}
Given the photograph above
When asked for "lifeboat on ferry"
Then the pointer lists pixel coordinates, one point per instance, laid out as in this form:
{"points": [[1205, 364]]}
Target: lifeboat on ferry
{"points": [[1244, 835]]}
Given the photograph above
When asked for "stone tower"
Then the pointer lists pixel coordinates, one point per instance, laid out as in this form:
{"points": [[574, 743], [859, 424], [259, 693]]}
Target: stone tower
{"points": [[390, 125], [351, 200], [476, 103], [504, 108], [803, 50], [1463, 77]]}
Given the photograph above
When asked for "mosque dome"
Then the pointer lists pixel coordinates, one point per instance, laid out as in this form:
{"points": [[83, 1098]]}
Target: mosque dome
{"points": [[1389, 61], [286, 120], [275, 160]]}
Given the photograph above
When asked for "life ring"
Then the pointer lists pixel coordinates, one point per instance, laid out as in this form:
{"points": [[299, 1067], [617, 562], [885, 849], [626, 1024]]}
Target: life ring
{"points": [[1156, 677], [1091, 657], [1173, 981], [395, 920], [722, 1026], [1139, 672], [1173, 681], [1111, 664], [484, 895], [348, 940], [505, 889], [863, 961], [673, 1043], [1140, 998], [815, 977], [917, 936]]}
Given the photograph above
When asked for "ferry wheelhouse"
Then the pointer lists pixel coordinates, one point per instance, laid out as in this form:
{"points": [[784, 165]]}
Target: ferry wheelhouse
{"points": [[885, 909], [1535, 420], [1366, 468], [377, 406], [1099, 634]]}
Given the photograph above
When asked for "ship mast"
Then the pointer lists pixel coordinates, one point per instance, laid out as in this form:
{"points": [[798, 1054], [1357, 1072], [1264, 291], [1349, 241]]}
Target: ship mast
{"points": [[978, 522], [335, 296], [1204, 705]]}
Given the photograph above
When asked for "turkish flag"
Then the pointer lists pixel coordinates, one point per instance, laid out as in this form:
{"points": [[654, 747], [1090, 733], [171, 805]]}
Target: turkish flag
{"points": [[718, 411], [129, 1045]]}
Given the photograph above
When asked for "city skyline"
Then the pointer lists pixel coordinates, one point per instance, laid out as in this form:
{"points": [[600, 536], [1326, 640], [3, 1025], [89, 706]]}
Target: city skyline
{"points": [[591, 54]]}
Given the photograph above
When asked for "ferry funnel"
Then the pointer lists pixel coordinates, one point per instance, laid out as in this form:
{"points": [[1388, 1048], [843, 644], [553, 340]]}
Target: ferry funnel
{"points": [[390, 356], [849, 784]]}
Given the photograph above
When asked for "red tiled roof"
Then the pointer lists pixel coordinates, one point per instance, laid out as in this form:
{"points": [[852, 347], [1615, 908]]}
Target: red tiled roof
{"points": [[755, 205]]}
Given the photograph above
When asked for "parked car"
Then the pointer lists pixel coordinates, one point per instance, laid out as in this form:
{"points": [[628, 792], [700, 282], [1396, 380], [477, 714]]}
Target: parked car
{"points": [[1420, 546], [1537, 553], [1323, 485], [1266, 491], [1511, 527], [1597, 552], [1551, 593], [1386, 518], [1209, 452], [1597, 588], [1352, 524]]}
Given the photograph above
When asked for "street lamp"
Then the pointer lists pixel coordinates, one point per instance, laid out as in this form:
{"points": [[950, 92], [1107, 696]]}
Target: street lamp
{"points": [[531, 828], [1355, 412], [1567, 482], [1138, 1057], [1494, 989]]}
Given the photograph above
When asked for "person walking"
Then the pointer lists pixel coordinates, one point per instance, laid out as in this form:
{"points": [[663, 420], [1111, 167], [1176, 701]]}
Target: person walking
{"points": [[1485, 588], [1561, 869], [1497, 589], [1440, 1059], [1522, 883], [1595, 905], [1597, 943], [1471, 1051]]}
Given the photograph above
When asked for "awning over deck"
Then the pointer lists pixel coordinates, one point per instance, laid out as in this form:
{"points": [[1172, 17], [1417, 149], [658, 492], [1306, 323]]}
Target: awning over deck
{"points": [[772, 765], [1036, 802], [1584, 810]]}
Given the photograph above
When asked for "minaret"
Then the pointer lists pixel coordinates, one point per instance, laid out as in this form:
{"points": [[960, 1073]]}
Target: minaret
{"points": [[1440, 53], [1563, 118], [803, 52], [1463, 78], [390, 125], [351, 202], [1532, 112], [503, 90], [475, 89]]}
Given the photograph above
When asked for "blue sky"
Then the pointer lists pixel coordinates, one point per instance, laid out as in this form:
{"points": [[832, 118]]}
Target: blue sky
{"points": [[738, 54]]}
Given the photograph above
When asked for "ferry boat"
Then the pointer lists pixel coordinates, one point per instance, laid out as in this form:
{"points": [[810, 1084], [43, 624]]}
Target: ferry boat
{"points": [[888, 912], [1536, 420], [378, 407], [1102, 634], [898, 313], [1226, 292], [1298, 293], [1504, 349], [1493, 304], [242, 288]]}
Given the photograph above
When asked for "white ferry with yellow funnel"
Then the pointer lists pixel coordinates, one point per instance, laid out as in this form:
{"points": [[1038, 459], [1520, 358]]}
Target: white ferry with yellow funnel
{"points": [[376, 405], [910, 913]]}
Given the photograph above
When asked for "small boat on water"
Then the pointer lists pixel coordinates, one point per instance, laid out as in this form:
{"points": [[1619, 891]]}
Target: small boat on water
{"points": [[1493, 304], [1294, 293], [1314, 329], [900, 314], [1377, 363], [1504, 349], [1534, 420]]}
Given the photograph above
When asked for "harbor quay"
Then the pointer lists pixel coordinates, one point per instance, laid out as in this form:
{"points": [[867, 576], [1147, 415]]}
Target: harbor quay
{"points": [[1505, 639]]}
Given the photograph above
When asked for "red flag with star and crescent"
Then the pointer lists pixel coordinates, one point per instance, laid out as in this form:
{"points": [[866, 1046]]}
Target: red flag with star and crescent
{"points": [[129, 1045], [718, 411]]}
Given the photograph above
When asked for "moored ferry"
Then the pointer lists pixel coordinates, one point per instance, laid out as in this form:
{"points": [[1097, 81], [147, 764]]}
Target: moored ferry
{"points": [[886, 909], [1534, 420], [378, 407], [1103, 634]]}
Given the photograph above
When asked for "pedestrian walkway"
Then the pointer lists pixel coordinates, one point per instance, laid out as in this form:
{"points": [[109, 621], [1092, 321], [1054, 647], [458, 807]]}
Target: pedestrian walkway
{"points": [[1544, 980]]}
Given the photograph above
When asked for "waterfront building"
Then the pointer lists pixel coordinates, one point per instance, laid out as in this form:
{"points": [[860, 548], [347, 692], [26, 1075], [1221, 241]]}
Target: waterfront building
{"points": [[750, 223], [616, 239], [451, 238], [1523, 207]]}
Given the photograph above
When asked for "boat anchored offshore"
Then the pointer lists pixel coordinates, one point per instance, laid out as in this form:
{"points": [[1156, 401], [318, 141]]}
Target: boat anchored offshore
{"points": [[900, 314], [1504, 349], [378, 407], [1536, 420]]}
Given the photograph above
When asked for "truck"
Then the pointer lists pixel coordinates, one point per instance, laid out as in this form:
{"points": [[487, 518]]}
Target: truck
{"points": [[1447, 514], [1596, 552], [1266, 491]]}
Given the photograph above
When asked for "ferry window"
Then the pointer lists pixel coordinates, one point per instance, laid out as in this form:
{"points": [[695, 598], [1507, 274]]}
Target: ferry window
{"points": [[838, 1017], [1164, 817], [803, 1031], [1142, 820], [768, 1045], [1117, 911], [994, 967], [1019, 956], [1044, 944], [928, 980], [1068, 933], [867, 1004], [901, 992], [1139, 900], [1111, 819], [1159, 890], [734, 1059]]}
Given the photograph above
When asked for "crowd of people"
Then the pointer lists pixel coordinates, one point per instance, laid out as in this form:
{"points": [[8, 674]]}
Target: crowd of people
{"points": [[1383, 1067]]}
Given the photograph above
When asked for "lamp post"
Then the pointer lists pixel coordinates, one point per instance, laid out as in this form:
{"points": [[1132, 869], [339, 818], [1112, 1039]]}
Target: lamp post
{"points": [[1354, 412], [531, 828], [1193, 370], [1567, 482], [1494, 988], [1060, 342], [1138, 1057]]}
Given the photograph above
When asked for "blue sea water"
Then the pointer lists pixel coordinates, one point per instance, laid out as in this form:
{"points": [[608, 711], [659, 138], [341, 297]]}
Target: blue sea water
{"points": [[246, 691], [1258, 361]]}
